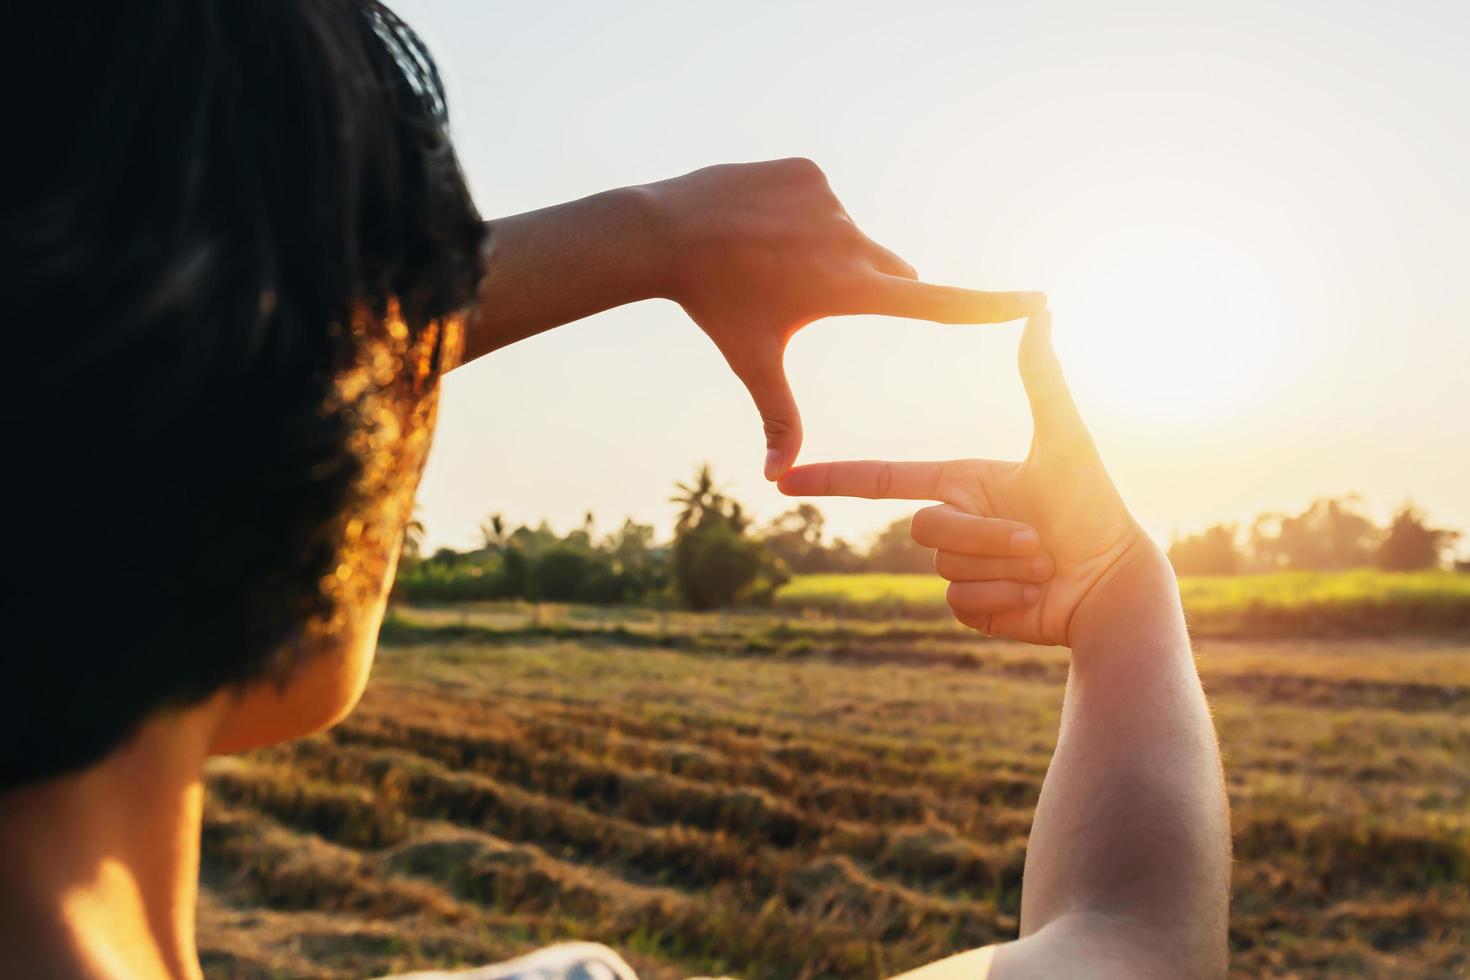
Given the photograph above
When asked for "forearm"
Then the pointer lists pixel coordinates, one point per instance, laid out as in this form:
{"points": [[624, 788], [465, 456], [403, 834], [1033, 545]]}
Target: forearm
{"points": [[1132, 825], [562, 263]]}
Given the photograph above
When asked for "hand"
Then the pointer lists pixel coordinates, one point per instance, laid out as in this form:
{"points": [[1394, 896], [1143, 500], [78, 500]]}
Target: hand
{"points": [[1099, 553], [757, 251]]}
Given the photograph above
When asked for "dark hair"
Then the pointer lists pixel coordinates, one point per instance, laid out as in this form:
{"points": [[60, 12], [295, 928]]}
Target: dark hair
{"points": [[234, 250]]}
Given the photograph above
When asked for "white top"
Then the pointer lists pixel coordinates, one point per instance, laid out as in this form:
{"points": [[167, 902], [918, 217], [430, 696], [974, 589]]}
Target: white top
{"points": [[591, 961]]}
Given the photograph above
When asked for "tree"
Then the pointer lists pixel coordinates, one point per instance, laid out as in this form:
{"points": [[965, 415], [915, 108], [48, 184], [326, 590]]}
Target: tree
{"points": [[492, 532], [565, 572], [1411, 544], [1213, 551], [413, 540], [582, 536], [795, 537], [1331, 534], [697, 499], [716, 566], [714, 563], [894, 550], [642, 567]]}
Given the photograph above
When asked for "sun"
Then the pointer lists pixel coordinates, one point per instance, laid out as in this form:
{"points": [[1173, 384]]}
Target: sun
{"points": [[1171, 336]]}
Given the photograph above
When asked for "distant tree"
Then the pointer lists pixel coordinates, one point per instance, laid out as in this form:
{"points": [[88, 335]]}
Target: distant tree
{"points": [[492, 533], [714, 563], [533, 540], [1411, 544], [697, 499], [445, 556], [413, 540], [631, 546], [1213, 551], [515, 575], [582, 536], [716, 566], [1331, 534], [642, 567], [795, 537], [843, 557], [894, 550], [562, 574]]}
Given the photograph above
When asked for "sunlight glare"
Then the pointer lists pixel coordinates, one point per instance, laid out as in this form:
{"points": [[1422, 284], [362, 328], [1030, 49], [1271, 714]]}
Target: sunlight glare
{"points": [[1169, 337]]}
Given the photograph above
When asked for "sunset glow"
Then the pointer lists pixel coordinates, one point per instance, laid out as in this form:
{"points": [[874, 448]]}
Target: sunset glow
{"points": [[1254, 246], [1172, 336]]}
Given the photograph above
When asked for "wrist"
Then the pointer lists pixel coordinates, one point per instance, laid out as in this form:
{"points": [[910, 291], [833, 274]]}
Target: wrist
{"points": [[1136, 605], [641, 235], [655, 216]]}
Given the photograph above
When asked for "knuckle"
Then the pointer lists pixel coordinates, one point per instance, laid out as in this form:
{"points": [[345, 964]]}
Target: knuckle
{"points": [[885, 479], [777, 427]]}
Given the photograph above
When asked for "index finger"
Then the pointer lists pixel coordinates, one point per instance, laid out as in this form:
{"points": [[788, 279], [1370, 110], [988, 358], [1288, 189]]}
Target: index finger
{"points": [[897, 296], [871, 478]]}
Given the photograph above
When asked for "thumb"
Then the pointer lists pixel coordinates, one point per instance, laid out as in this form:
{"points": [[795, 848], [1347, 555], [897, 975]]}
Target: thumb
{"points": [[765, 379], [1053, 412]]}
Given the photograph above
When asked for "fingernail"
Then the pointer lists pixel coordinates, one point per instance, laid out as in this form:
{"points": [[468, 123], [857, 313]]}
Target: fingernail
{"points": [[1023, 541], [1041, 566], [1030, 594], [773, 464]]}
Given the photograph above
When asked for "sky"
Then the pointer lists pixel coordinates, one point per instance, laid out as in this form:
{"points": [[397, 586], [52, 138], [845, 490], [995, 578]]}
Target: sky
{"points": [[1252, 220]]}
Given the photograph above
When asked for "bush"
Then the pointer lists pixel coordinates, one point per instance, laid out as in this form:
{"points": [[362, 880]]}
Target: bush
{"points": [[715, 565]]}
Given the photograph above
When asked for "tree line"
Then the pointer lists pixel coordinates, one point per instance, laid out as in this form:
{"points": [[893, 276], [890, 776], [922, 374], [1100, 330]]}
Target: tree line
{"points": [[1332, 534], [718, 557]]}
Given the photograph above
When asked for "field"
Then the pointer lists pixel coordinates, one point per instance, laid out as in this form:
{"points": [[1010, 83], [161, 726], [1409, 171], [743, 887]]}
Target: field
{"points": [[1354, 603], [796, 799]]}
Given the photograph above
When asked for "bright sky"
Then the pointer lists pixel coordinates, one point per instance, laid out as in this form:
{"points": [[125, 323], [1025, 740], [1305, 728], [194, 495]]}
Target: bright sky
{"points": [[1252, 218]]}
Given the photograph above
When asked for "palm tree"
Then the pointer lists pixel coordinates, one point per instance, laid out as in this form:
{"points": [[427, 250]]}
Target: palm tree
{"points": [[413, 538], [697, 500], [493, 533]]}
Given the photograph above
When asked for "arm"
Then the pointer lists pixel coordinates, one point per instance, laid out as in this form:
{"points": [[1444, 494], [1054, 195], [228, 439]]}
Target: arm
{"points": [[752, 252], [1127, 872], [559, 264]]}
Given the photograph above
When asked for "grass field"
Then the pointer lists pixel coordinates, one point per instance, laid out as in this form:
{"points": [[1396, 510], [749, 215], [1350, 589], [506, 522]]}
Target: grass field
{"points": [[1364, 602], [799, 803]]}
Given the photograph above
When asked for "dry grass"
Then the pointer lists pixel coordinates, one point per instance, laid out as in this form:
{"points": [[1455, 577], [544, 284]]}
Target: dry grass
{"points": [[811, 806]]}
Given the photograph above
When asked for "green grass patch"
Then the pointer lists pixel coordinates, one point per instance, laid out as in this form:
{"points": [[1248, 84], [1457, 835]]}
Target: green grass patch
{"points": [[1364, 602]]}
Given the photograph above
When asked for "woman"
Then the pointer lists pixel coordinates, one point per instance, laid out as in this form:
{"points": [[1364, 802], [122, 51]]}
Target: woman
{"points": [[239, 255]]}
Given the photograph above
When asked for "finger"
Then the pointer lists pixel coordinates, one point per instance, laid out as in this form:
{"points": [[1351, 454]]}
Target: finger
{"points": [[890, 263], [974, 602], [969, 568], [1053, 411], [948, 529], [765, 379], [875, 479], [897, 296]]}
